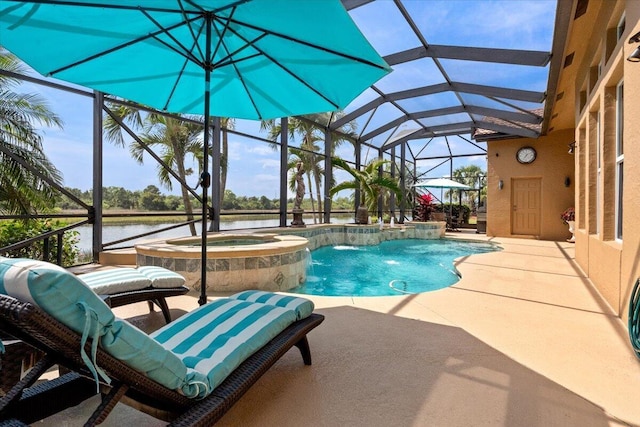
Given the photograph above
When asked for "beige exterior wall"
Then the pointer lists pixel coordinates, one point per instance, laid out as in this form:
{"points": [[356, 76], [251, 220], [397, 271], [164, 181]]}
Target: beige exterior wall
{"points": [[611, 262], [553, 165], [630, 257], [587, 112]]}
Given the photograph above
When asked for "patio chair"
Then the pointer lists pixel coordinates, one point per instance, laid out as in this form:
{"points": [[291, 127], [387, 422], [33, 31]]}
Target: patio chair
{"points": [[454, 221], [190, 371]]}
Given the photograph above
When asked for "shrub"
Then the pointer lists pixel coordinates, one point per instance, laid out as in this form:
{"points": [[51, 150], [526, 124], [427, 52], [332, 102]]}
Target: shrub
{"points": [[14, 231]]}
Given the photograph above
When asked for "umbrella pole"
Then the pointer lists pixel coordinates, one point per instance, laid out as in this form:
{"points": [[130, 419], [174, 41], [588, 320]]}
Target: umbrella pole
{"points": [[205, 178]]}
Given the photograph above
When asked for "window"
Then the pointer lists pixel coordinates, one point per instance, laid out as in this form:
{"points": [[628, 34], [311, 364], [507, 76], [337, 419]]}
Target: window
{"points": [[598, 172], [621, 26], [619, 157]]}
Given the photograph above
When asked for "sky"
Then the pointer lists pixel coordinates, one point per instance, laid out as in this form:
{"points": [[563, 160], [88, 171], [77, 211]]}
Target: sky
{"points": [[254, 165]]}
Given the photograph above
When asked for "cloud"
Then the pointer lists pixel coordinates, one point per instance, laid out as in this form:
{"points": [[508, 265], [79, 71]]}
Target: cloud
{"points": [[270, 164], [263, 150]]}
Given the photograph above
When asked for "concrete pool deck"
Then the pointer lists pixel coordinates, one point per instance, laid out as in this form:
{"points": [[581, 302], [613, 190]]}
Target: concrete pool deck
{"points": [[522, 340]]}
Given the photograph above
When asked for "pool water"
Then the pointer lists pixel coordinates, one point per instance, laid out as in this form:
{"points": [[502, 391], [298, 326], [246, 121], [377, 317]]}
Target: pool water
{"points": [[393, 267]]}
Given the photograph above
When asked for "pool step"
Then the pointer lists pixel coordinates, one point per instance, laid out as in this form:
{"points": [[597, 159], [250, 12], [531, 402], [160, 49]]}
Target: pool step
{"points": [[126, 256]]}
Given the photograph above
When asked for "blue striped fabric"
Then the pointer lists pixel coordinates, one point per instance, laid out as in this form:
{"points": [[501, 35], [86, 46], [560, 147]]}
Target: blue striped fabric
{"points": [[63, 296], [161, 277], [115, 280], [216, 338], [69, 300], [302, 306], [52, 288], [135, 348], [193, 354]]}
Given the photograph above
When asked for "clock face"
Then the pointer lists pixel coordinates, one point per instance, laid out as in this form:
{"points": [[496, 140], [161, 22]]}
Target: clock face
{"points": [[526, 155]]}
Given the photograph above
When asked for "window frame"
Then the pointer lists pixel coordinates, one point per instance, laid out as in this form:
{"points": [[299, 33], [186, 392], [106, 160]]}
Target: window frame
{"points": [[619, 166]]}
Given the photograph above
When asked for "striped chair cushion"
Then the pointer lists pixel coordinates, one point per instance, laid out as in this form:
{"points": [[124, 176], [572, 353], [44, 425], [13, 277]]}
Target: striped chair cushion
{"points": [[69, 300], [115, 280], [161, 277], [217, 337], [193, 354], [135, 348], [302, 306], [53, 289], [60, 294]]}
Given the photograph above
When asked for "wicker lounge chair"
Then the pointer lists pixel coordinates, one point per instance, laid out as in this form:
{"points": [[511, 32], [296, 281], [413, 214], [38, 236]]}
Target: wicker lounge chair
{"points": [[153, 296], [62, 345], [123, 286]]}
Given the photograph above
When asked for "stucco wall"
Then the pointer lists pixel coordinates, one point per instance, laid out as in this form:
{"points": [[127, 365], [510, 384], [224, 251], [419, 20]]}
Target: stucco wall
{"points": [[630, 262], [612, 265], [604, 270], [552, 165]]}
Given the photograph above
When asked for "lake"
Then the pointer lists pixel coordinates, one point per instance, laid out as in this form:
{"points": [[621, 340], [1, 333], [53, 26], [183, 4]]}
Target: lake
{"points": [[111, 233]]}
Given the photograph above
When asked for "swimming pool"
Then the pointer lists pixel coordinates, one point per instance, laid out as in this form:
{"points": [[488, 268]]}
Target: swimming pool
{"points": [[394, 267]]}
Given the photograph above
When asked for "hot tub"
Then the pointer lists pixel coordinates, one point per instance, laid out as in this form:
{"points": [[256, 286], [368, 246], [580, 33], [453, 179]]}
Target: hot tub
{"points": [[235, 262]]}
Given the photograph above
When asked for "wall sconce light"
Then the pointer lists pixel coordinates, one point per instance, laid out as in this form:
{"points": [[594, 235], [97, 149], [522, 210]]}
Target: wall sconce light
{"points": [[572, 147], [567, 181], [635, 56], [500, 184]]}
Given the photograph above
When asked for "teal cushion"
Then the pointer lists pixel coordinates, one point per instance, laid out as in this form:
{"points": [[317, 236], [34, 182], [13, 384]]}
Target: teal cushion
{"points": [[302, 306], [69, 300], [53, 289], [135, 348], [115, 280], [161, 277], [63, 296], [217, 337]]}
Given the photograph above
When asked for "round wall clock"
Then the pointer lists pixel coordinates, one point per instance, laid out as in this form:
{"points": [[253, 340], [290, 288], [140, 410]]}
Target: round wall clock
{"points": [[526, 155]]}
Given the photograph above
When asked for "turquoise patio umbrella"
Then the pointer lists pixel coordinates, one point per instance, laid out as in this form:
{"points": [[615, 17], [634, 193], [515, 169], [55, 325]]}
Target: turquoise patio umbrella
{"points": [[249, 59]]}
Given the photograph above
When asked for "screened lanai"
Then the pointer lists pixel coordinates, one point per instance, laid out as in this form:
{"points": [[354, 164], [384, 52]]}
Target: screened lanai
{"points": [[456, 83]]}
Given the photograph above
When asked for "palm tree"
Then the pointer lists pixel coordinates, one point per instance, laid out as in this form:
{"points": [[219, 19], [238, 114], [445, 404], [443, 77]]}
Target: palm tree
{"points": [[307, 151], [312, 132], [226, 124], [470, 175], [176, 140], [132, 116], [370, 183], [23, 189]]}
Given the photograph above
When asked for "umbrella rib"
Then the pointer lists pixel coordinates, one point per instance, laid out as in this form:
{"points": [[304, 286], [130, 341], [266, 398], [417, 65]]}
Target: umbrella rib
{"points": [[220, 9], [193, 34], [308, 44], [24, 18], [116, 48], [175, 85], [232, 63], [291, 73], [220, 34], [97, 5], [185, 52], [228, 59]]}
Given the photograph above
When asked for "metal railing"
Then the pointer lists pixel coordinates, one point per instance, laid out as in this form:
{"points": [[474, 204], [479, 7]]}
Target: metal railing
{"points": [[46, 239]]}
